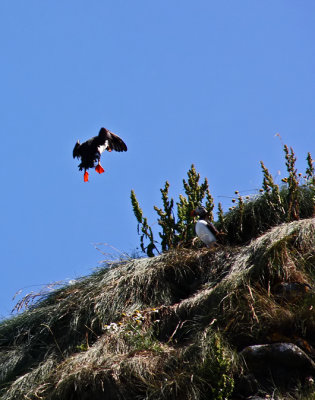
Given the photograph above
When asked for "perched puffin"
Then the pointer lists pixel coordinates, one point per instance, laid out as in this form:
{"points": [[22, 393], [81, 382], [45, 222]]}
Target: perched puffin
{"points": [[205, 230], [90, 151]]}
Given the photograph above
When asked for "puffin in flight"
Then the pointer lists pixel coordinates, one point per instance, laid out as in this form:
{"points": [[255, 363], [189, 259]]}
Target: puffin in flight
{"points": [[205, 230], [90, 151]]}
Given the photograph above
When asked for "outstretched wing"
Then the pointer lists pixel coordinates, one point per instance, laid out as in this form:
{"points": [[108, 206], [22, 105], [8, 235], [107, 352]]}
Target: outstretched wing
{"points": [[110, 140], [76, 150]]}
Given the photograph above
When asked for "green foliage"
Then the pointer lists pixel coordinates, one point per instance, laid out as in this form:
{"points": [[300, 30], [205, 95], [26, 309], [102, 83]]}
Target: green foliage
{"points": [[195, 194], [250, 217], [135, 332], [178, 231], [221, 216], [82, 347], [293, 184], [310, 171], [276, 204], [272, 196], [215, 369], [143, 226], [310, 177], [166, 220]]}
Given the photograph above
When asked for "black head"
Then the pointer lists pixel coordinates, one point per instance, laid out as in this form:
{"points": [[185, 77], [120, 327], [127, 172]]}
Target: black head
{"points": [[200, 211]]}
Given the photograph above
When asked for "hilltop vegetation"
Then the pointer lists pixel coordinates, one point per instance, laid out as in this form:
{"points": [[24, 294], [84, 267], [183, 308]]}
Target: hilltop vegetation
{"points": [[190, 323], [247, 219]]}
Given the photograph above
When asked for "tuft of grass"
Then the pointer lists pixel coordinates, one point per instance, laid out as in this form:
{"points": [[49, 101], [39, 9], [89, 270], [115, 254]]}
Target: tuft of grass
{"points": [[256, 215], [215, 371]]}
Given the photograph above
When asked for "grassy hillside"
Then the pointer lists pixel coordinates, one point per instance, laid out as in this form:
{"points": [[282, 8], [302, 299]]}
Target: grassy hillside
{"points": [[181, 325]]}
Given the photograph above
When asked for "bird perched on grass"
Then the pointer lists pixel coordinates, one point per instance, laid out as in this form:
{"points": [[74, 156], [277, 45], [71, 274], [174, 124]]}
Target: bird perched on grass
{"points": [[205, 230], [90, 151]]}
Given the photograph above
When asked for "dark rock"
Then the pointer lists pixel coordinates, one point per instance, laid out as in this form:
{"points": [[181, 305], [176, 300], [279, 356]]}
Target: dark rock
{"points": [[246, 385], [273, 355], [292, 290], [282, 363]]}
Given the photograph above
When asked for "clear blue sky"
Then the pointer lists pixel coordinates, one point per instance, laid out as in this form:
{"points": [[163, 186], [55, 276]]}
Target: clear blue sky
{"points": [[204, 82]]}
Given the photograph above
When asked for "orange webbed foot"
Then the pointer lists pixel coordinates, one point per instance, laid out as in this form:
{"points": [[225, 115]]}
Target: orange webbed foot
{"points": [[99, 169], [86, 176]]}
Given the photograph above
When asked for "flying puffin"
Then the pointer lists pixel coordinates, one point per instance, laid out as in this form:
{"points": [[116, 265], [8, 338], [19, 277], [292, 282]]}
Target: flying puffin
{"points": [[90, 151], [205, 230]]}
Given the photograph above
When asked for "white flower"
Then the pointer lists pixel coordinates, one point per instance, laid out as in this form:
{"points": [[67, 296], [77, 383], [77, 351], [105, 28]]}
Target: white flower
{"points": [[112, 327]]}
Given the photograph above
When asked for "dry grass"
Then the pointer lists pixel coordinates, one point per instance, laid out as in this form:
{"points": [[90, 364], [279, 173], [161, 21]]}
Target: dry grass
{"points": [[197, 309]]}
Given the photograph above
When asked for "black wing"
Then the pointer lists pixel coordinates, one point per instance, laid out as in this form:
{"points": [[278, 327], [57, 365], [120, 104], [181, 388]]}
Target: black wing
{"points": [[114, 142], [212, 228], [76, 150]]}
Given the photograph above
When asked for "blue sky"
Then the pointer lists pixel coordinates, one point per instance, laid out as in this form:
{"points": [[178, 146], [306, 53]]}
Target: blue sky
{"points": [[203, 82]]}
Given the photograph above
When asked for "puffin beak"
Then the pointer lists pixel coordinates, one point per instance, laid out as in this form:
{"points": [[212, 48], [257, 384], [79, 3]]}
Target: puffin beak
{"points": [[86, 176]]}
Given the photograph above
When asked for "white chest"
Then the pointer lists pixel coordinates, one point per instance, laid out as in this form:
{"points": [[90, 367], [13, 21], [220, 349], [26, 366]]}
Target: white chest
{"points": [[103, 147], [204, 232]]}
